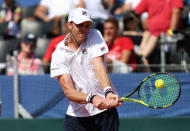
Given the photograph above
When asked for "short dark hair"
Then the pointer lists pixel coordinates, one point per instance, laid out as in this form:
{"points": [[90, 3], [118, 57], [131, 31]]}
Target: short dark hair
{"points": [[112, 20]]}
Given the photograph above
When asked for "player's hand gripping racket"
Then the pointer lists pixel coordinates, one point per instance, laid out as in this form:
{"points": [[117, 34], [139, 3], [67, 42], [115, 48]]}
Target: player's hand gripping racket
{"points": [[159, 90]]}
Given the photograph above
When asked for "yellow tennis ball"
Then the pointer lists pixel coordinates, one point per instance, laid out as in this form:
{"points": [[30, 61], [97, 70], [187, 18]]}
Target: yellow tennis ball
{"points": [[159, 83]]}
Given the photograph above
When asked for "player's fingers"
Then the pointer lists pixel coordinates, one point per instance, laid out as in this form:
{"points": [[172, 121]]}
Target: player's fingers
{"points": [[113, 103], [117, 99], [105, 105], [120, 100], [120, 103], [101, 107]]}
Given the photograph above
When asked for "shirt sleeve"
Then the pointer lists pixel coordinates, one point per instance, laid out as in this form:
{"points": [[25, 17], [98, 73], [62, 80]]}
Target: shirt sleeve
{"points": [[98, 46], [127, 44], [177, 4], [141, 7], [59, 65]]}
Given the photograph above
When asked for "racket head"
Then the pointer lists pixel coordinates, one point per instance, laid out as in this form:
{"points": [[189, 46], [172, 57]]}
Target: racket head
{"points": [[159, 97]]}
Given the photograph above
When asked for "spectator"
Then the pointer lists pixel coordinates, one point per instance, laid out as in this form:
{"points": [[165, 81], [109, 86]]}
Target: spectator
{"points": [[27, 63], [121, 48], [132, 25], [99, 10], [128, 6], [11, 12], [55, 10], [164, 16], [52, 46]]}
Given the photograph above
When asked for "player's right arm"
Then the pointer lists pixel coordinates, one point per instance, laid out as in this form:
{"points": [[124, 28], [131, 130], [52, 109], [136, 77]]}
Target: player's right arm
{"points": [[72, 94]]}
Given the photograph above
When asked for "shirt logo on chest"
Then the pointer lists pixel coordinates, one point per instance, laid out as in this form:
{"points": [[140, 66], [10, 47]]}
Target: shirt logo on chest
{"points": [[103, 48], [84, 51]]}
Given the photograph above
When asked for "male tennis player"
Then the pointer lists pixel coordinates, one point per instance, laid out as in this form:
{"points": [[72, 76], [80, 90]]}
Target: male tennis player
{"points": [[78, 63]]}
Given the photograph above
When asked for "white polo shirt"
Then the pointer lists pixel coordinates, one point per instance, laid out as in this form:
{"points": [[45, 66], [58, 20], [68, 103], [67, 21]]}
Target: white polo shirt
{"points": [[79, 65]]}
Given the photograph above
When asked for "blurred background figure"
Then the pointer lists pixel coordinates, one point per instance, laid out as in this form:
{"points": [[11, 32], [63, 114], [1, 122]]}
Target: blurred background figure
{"points": [[121, 49], [11, 12], [132, 25], [52, 46], [128, 6], [164, 16], [99, 11], [56, 10], [27, 62]]}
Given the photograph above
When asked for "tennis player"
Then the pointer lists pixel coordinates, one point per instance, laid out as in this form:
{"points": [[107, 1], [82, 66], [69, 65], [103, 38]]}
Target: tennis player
{"points": [[78, 64]]}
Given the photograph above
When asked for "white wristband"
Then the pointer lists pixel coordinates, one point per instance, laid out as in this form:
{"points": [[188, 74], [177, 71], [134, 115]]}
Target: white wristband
{"points": [[108, 87]]}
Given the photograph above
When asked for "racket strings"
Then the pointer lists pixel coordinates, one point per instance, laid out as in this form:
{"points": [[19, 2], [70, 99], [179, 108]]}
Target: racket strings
{"points": [[159, 97]]}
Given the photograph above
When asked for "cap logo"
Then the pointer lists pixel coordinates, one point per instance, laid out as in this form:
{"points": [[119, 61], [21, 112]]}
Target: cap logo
{"points": [[84, 13]]}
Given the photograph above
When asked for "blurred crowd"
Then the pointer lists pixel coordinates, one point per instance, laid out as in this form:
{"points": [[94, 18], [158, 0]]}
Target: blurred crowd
{"points": [[131, 28]]}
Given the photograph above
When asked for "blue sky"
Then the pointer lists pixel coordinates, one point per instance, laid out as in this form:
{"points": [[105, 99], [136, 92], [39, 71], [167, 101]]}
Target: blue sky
{"points": [[26, 3]]}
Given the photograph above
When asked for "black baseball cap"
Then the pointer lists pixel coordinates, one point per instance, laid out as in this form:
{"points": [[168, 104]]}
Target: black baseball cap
{"points": [[30, 38]]}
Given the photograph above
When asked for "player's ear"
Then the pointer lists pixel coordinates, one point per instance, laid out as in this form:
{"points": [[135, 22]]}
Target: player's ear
{"points": [[69, 25]]}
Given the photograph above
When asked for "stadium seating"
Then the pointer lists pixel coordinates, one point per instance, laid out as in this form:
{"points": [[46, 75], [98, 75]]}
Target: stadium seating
{"points": [[29, 11], [3, 29], [31, 24], [42, 44]]}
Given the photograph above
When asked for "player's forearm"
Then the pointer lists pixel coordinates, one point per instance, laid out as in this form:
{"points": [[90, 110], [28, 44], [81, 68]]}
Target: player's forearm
{"points": [[101, 72], [175, 19], [69, 90], [75, 96]]}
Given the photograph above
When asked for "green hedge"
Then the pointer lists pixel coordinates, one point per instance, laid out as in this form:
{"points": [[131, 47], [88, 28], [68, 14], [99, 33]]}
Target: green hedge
{"points": [[129, 124]]}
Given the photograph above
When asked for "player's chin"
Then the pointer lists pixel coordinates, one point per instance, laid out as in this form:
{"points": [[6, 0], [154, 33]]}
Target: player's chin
{"points": [[81, 40]]}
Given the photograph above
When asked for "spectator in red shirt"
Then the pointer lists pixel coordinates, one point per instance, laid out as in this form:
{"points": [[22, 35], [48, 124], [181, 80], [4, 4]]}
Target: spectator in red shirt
{"points": [[121, 55], [52, 46], [164, 16]]}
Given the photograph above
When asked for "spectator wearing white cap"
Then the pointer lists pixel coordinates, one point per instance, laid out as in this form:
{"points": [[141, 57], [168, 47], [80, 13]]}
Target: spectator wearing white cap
{"points": [[78, 64], [28, 64]]}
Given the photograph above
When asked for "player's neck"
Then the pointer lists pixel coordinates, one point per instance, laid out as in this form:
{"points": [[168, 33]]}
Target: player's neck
{"points": [[72, 44]]}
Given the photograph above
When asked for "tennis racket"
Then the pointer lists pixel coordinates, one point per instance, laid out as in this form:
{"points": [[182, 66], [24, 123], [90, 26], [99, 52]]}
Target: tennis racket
{"points": [[151, 96]]}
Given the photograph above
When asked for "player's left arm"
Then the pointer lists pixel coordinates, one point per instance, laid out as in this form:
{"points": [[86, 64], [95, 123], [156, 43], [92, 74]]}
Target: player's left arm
{"points": [[102, 75]]}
